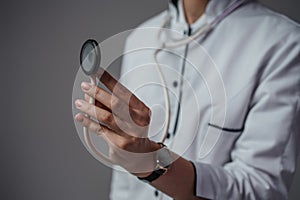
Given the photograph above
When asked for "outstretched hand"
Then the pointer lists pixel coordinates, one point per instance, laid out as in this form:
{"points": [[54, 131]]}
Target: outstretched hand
{"points": [[122, 120]]}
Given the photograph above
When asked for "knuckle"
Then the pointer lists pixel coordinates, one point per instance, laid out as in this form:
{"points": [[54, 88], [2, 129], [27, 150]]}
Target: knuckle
{"points": [[125, 144], [147, 114], [147, 111], [108, 118], [86, 122], [86, 97], [90, 109], [98, 92], [145, 117], [115, 102], [99, 130], [141, 118]]}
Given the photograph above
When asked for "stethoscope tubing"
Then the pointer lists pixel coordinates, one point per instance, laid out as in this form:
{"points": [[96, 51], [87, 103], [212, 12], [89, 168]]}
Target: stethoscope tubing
{"points": [[86, 133], [207, 27]]}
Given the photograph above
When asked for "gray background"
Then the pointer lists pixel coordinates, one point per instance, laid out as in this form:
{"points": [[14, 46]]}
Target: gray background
{"points": [[41, 154]]}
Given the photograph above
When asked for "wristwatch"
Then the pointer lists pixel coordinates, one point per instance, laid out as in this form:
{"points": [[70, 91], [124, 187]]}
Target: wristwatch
{"points": [[163, 163]]}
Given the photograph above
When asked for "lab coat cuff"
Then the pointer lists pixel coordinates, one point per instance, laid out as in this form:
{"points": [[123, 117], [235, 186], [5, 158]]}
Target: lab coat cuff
{"points": [[204, 183], [195, 180]]}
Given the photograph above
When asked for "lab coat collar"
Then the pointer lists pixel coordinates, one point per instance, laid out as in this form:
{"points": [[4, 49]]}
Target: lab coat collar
{"points": [[213, 9]]}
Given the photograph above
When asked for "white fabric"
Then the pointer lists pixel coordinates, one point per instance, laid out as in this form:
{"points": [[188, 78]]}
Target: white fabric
{"points": [[256, 52]]}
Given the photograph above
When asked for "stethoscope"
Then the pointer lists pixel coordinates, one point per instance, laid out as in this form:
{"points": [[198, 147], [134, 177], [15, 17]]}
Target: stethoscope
{"points": [[90, 58]]}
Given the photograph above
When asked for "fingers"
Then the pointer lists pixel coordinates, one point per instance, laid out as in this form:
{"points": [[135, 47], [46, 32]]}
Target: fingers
{"points": [[124, 151], [114, 104], [90, 124], [98, 129], [97, 103], [98, 93], [103, 116], [121, 91], [108, 135]]}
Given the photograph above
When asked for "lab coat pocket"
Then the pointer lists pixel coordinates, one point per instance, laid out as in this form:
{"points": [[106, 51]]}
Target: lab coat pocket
{"points": [[218, 144]]}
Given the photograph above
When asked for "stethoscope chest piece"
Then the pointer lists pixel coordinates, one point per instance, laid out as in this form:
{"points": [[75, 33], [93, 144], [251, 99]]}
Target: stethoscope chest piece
{"points": [[90, 57]]}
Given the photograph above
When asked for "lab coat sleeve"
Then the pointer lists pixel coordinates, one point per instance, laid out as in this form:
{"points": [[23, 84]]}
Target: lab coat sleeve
{"points": [[119, 185], [263, 158]]}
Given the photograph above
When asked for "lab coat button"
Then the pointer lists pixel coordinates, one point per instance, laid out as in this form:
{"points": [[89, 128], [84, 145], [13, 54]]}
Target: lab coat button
{"points": [[168, 136], [156, 193], [175, 84]]}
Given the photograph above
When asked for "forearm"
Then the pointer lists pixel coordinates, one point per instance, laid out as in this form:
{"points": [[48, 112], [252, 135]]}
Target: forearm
{"points": [[179, 181]]}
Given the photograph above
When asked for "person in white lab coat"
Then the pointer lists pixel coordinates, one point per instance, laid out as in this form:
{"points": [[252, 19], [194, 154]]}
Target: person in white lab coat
{"points": [[244, 143]]}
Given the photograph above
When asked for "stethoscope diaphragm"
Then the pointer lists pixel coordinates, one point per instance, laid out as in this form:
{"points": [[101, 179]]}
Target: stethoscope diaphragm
{"points": [[90, 57]]}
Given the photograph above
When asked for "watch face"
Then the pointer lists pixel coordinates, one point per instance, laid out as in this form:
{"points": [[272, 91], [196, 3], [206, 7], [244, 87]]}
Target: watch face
{"points": [[164, 160], [164, 157]]}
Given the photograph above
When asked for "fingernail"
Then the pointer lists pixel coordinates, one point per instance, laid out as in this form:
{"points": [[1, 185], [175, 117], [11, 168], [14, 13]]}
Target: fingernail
{"points": [[78, 103], [79, 118], [86, 86]]}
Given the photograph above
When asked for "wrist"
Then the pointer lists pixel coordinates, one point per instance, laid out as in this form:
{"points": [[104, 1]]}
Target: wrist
{"points": [[154, 147], [163, 160], [142, 175]]}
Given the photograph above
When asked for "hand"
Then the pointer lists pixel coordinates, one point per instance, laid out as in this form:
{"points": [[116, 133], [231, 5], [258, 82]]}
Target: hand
{"points": [[122, 120]]}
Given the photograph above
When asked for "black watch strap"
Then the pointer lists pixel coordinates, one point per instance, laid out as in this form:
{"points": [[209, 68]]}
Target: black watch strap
{"points": [[153, 176], [160, 169]]}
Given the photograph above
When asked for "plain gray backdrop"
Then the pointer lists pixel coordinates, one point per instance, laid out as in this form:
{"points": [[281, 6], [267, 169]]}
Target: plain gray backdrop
{"points": [[42, 157]]}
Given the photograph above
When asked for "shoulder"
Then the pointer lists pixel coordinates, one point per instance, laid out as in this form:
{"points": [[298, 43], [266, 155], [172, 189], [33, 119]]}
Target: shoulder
{"points": [[154, 22], [256, 31], [265, 23]]}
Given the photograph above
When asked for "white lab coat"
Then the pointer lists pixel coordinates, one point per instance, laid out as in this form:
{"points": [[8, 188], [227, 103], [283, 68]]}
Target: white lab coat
{"points": [[252, 152]]}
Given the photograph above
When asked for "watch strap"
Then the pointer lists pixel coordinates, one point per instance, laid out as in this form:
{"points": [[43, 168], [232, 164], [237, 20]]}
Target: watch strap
{"points": [[153, 176], [156, 173]]}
